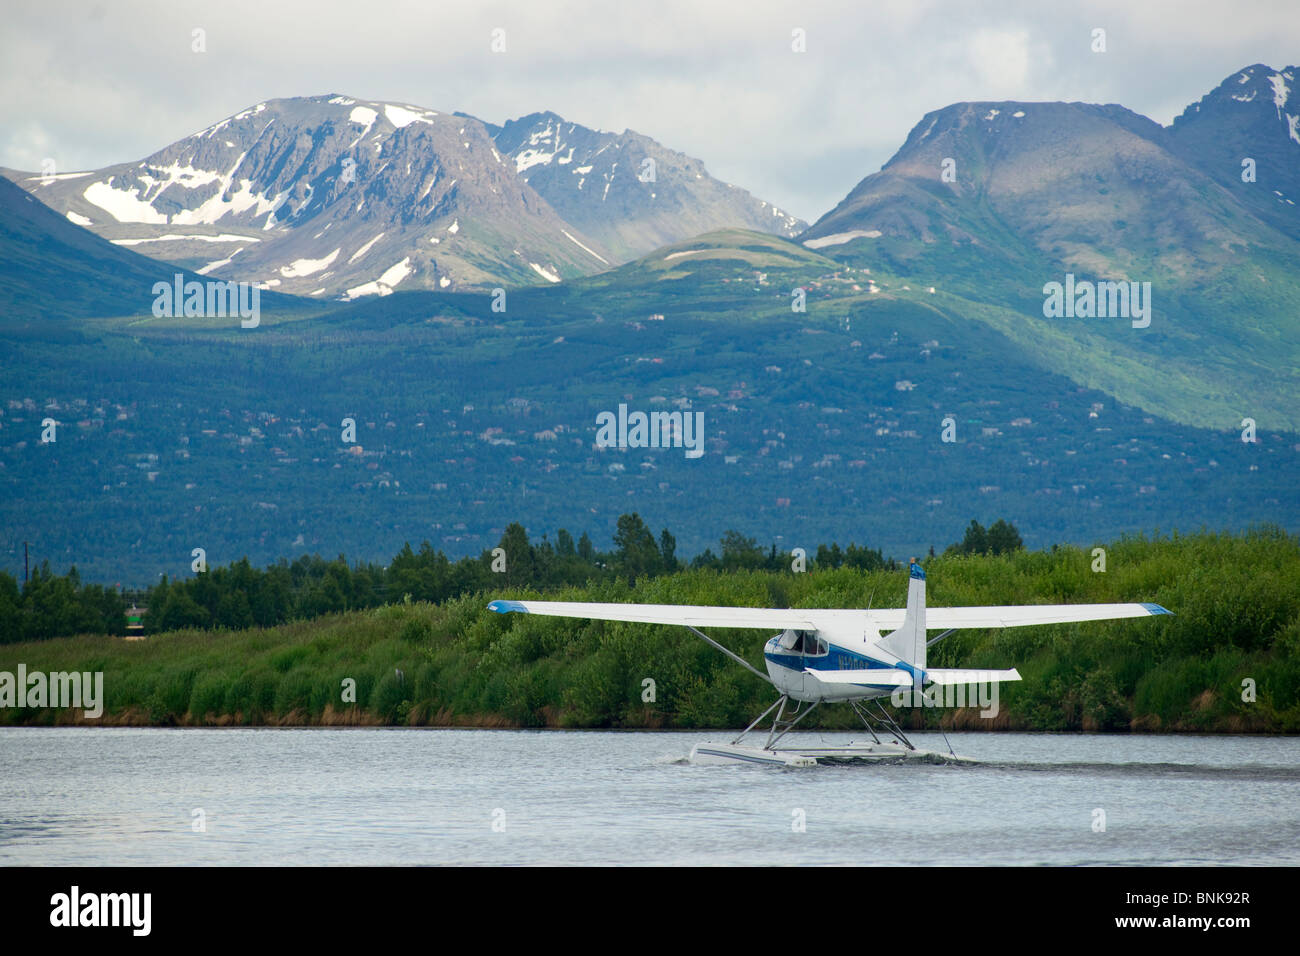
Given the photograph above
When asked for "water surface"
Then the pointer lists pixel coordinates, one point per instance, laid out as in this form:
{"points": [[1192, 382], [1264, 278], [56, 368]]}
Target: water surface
{"points": [[404, 796]]}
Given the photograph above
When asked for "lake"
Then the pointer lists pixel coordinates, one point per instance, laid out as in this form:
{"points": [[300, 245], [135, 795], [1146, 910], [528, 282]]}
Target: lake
{"points": [[137, 796]]}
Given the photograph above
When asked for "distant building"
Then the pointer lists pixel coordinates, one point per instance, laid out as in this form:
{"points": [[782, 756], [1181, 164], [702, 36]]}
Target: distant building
{"points": [[135, 623]]}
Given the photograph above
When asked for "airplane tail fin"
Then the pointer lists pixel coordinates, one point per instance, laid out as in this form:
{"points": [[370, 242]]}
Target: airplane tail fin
{"points": [[908, 642]]}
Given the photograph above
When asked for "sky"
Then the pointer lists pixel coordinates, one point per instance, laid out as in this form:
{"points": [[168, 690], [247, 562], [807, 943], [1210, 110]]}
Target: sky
{"points": [[90, 84]]}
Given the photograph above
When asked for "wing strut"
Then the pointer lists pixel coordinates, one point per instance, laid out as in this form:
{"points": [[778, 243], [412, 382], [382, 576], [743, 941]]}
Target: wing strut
{"points": [[935, 640], [735, 657]]}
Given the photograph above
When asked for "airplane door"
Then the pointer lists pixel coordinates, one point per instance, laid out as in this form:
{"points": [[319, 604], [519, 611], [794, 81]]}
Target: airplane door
{"points": [[805, 682]]}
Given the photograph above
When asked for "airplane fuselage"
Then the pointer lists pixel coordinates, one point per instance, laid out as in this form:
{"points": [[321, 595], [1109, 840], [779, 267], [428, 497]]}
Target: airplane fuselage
{"points": [[791, 654]]}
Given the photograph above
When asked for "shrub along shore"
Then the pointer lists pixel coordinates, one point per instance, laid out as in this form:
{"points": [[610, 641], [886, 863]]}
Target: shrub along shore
{"points": [[1227, 661]]}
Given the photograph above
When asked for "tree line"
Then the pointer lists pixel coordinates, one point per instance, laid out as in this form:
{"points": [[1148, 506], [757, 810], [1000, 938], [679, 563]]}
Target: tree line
{"points": [[240, 596]]}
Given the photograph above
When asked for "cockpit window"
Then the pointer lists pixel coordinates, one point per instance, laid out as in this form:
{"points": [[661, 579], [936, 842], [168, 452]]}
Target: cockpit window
{"points": [[804, 642]]}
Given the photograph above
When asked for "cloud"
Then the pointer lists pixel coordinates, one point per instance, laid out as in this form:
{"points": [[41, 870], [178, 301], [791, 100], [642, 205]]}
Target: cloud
{"points": [[716, 80], [1000, 59]]}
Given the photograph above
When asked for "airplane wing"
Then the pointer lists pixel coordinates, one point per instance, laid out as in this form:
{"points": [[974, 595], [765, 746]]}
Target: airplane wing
{"points": [[944, 618], [811, 619], [774, 619]]}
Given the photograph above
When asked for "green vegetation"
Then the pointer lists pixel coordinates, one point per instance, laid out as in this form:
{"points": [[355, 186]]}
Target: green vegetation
{"points": [[824, 423], [1001, 538], [177, 433], [1236, 600], [51, 605], [240, 596]]}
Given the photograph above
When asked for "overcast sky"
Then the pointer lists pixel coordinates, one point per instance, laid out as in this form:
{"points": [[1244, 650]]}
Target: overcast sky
{"points": [[95, 83]]}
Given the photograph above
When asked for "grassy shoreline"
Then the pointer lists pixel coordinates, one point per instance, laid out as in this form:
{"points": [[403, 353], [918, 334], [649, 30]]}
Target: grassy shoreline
{"points": [[1237, 618]]}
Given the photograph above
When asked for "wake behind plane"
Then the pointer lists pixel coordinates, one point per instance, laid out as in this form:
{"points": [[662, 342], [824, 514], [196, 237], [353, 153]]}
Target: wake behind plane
{"points": [[829, 656]]}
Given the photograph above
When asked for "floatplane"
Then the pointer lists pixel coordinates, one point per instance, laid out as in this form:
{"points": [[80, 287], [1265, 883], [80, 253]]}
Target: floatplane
{"points": [[825, 656]]}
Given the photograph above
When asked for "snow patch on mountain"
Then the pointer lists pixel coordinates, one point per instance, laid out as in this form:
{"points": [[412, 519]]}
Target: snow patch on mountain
{"points": [[402, 117], [56, 177], [175, 175], [362, 116], [305, 267], [1280, 92], [134, 204], [584, 248], [177, 237], [240, 201], [839, 238], [531, 157], [396, 273], [124, 205], [220, 262], [384, 284], [542, 147], [364, 249]]}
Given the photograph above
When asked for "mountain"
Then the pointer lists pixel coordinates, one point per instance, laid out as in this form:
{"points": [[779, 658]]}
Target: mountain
{"points": [[1089, 188], [1042, 190], [627, 191], [884, 380], [335, 197], [818, 426], [1253, 114], [53, 269], [40, 252], [331, 196]]}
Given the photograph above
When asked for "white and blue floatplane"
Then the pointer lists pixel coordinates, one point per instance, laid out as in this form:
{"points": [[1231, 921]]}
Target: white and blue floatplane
{"points": [[839, 656]]}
